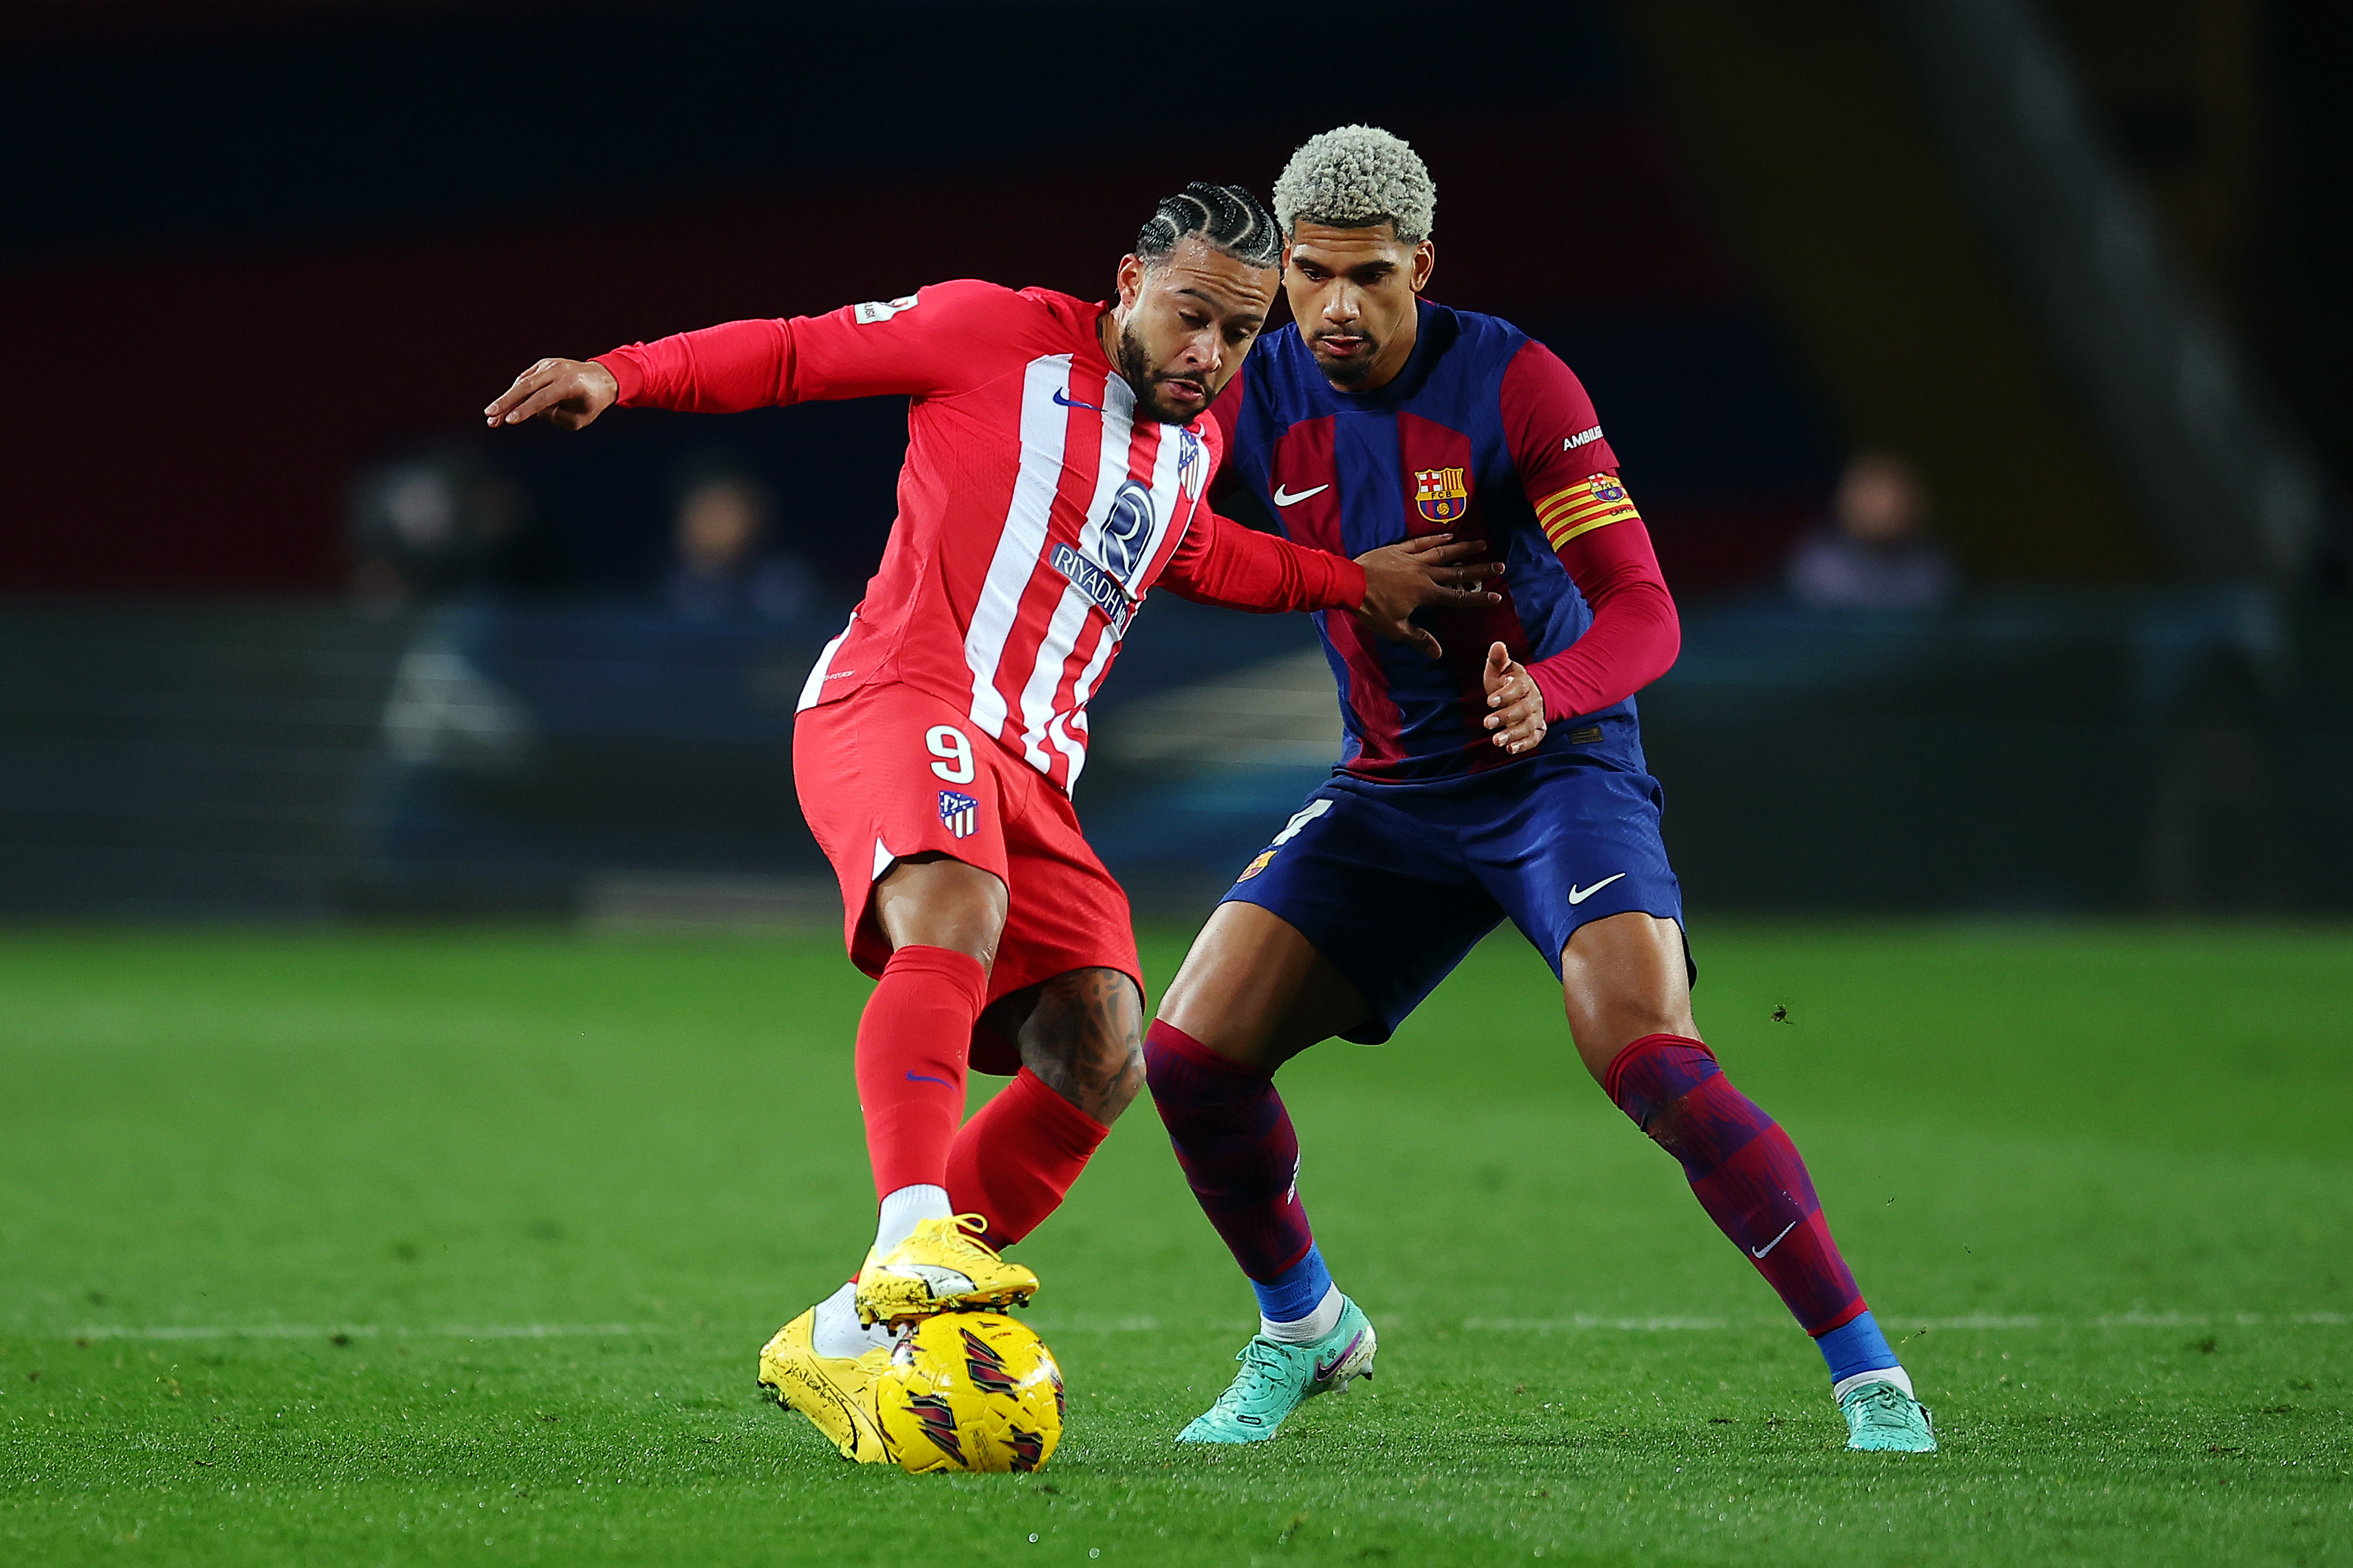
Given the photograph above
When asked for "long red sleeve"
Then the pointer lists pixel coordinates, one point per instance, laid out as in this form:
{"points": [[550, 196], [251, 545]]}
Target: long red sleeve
{"points": [[938, 341], [1568, 469], [724, 369], [1635, 634], [1242, 569]]}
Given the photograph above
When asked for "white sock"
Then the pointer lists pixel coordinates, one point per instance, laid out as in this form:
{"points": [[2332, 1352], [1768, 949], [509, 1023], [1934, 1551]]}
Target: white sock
{"points": [[1309, 1329], [1895, 1375], [903, 1209], [838, 1331]]}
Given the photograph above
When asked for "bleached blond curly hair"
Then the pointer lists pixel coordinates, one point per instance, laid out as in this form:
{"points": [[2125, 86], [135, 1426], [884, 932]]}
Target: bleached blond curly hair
{"points": [[1354, 177]]}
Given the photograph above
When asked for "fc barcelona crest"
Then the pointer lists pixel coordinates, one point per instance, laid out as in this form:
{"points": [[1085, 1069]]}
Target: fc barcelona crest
{"points": [[1441, 493]]}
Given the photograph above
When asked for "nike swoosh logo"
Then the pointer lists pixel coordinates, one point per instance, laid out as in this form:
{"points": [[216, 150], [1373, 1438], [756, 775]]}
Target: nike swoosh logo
{"points": [[1324, 1369], [1578, 895], [1761, 1251], [1074, 403], [926, 1078], [1286, 498], [941, 1282]]}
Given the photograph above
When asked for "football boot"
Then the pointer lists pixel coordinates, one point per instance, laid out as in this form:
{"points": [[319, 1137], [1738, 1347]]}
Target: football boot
{"points": [[944, 1266], [836, 1393], [1277, 1379], [1881, 1418]]}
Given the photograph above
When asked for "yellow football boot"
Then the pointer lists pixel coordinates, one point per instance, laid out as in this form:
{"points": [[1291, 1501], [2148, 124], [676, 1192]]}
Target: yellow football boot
{"points": [[836, 1393], [944, 1266]]}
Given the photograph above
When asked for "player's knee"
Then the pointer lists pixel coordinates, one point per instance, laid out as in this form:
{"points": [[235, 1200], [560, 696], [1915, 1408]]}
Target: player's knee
{"points": [[1112, 1053], [1678, 1094], [1122, 1080], [1603, 1032], [1637, 1019], [1102, 1076], [1184, 1074], [1085, 1038]]}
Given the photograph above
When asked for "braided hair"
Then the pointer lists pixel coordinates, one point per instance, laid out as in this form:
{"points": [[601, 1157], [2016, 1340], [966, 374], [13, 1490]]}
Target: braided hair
{"points": [[1227, 218]]}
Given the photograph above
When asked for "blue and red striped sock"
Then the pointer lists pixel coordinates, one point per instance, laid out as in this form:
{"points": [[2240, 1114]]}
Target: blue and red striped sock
{"points": [[1748, 1177], [1240, 1155]]}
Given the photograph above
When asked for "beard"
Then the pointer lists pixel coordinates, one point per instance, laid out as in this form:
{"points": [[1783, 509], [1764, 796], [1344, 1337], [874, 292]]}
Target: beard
{"points": [[1353, 369], [1136, 369]]}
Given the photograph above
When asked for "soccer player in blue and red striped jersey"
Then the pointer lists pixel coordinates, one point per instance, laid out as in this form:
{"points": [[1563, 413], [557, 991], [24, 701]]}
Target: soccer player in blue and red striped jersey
{"points": [[1496, 771]]}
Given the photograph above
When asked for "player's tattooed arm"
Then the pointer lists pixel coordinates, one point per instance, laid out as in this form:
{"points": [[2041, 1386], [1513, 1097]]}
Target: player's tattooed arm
{"points": [[566, 392], [1516, 709], [1429, 570]]}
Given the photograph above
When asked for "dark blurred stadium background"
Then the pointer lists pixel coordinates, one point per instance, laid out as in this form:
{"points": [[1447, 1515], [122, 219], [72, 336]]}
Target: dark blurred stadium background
{"points": [[286, 634]]}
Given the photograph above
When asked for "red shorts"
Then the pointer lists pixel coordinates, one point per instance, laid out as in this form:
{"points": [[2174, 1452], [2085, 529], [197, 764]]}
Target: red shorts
{"points": [[890, 771]]}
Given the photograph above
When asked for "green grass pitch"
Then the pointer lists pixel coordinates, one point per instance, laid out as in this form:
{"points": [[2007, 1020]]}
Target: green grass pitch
{"points": [[458, 1246]]}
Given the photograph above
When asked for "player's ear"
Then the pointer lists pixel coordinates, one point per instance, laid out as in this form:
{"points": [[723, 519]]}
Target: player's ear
{"points": [[1425, 258], [1131, 280]]}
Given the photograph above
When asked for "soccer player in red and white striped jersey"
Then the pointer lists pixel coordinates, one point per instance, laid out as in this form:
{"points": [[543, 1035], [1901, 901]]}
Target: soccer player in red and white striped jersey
{"points": [[1056, 470]]}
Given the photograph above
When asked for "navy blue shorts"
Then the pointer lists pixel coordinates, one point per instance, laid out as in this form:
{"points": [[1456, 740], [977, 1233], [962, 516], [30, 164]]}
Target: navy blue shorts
{"points": [[1394, 883]]}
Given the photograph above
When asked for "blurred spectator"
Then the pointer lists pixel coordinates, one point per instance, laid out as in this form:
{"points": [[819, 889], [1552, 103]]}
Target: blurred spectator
{"points": [[721, 571], [1876, 553], [443, 524]]}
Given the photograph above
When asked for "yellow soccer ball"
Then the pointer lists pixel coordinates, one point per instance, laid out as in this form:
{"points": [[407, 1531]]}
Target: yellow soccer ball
{"points": [[970, 1391]]}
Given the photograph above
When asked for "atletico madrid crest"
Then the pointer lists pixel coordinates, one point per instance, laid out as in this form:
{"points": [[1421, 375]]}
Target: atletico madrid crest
{"points": [[1441, 493], [959, 813], [1189, 463]]}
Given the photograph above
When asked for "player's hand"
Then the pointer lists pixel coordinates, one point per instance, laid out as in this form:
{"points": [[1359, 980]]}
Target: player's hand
{"points": [[566, 392], [1516, 716], [1430, 569]]}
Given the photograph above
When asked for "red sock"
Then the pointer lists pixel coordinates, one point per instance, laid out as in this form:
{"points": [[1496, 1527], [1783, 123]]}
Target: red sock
{"points": [[1018, 1157], [1743, 1169], [1233, 1138], [912, 1043]]}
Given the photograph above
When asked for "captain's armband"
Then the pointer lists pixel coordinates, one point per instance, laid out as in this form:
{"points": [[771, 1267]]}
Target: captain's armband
{"points": [[1589, 504]]}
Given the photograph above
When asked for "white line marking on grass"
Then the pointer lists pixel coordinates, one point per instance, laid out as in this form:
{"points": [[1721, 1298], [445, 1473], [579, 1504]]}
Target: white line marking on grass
{"points": [[1101, 1325], [364, 1331], [1580, 1323], [1895, 1321], [1976, 1320]]}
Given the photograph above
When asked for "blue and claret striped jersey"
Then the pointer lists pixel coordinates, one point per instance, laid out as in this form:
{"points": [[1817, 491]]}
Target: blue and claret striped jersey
{"points": [[1485, 434]]}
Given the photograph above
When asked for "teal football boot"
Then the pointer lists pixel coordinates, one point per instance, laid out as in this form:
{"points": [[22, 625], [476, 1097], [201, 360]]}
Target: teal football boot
{"points": [[1277, 1379], [1881, 1418]]}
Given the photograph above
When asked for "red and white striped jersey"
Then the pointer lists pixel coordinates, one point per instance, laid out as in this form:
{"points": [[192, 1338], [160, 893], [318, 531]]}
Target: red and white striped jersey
{"points": [[1036, 510]]}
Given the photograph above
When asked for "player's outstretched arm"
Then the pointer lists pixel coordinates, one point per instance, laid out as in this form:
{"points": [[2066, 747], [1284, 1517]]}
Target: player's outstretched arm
{"points": [[940, 339], [1432, 569], [566, 392]]}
